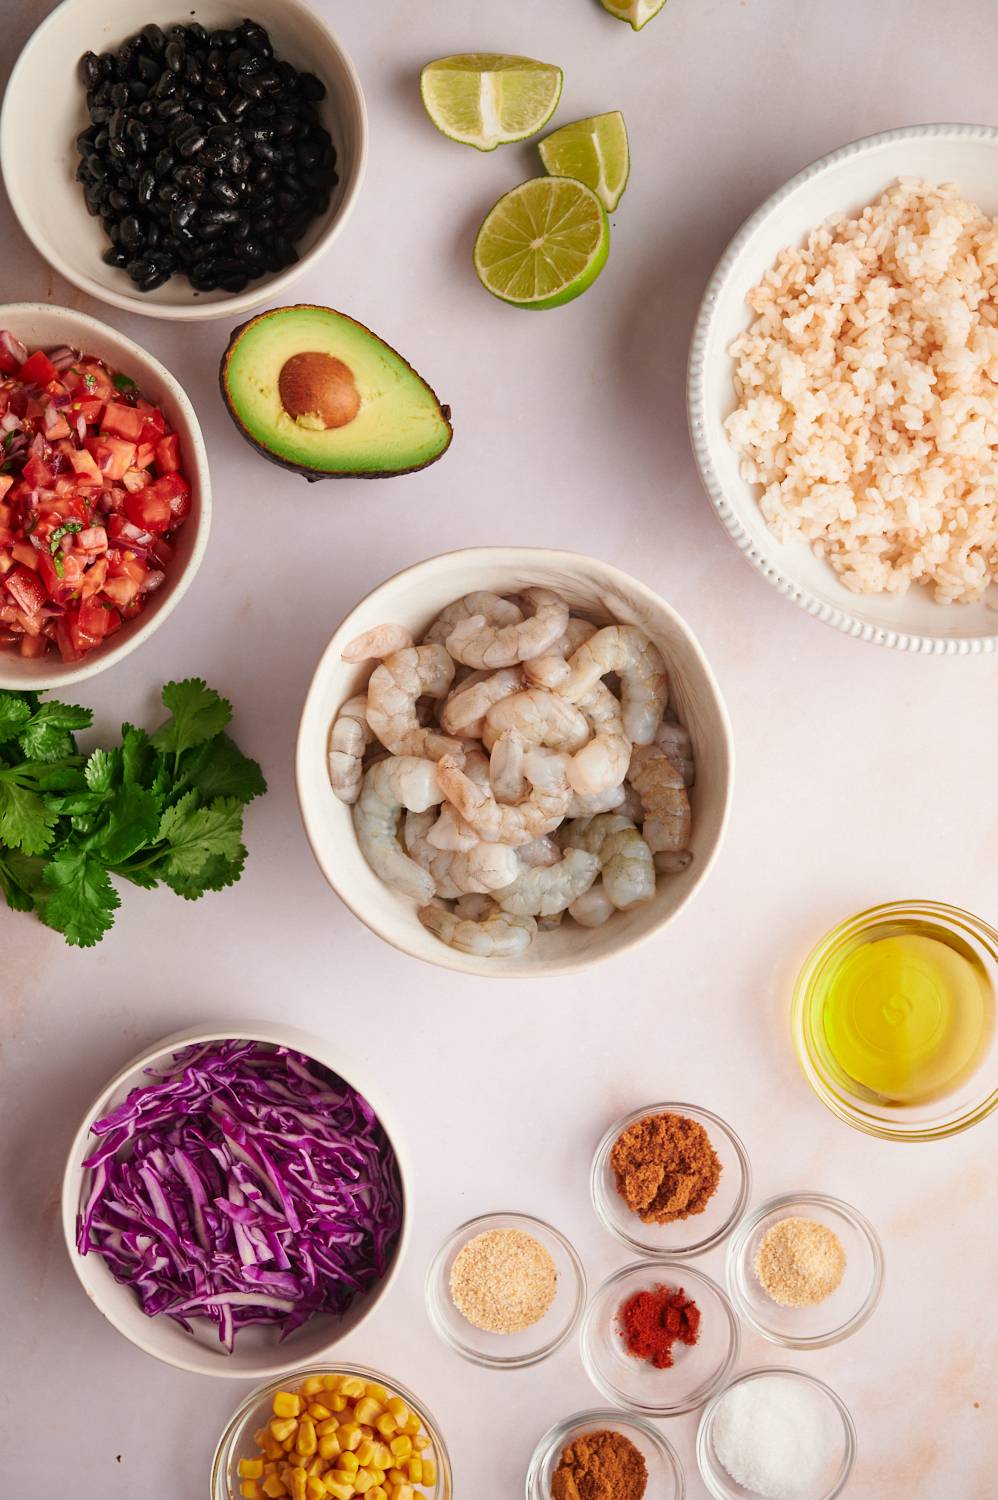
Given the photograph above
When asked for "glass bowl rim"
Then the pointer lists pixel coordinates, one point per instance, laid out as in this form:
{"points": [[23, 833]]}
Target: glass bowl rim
{"points": [[557, 1432], [647, 1247], [850, 1109], [509, 1361], [848, 1425], [738, 1245], [653, 1265], [319, 1367]]}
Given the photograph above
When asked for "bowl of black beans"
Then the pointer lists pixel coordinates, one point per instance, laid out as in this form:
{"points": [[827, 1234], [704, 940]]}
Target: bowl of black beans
{"points": [[186, 164]]}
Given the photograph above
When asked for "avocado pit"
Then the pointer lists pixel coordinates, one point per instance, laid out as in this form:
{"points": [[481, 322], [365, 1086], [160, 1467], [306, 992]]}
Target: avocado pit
{"points": [[318, 391]]}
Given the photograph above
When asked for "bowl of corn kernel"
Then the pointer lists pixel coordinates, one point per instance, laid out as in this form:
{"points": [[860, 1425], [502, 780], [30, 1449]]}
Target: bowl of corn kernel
{"points": [[329, 1433]]}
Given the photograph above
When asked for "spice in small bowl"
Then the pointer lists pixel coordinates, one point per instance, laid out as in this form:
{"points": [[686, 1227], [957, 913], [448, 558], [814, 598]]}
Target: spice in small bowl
{"points": [[653, 1320], [604, 1455], [602, 1465], [665, 1167], [503, 1281], [799, 1262]]}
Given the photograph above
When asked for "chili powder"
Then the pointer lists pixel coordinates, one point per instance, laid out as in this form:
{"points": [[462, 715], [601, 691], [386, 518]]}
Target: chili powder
{"points": [[651, 1322]]}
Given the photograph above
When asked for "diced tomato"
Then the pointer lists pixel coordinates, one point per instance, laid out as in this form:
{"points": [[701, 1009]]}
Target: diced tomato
{"points": [[85, 466], [34, 645], [90, 379], [113, 456], [89, 408], [168, 454], [25, 554], [144, 454], [26, 589], [38, 369], [150, 511], [6, 514], [92, 539], [6, 480], [122, 589], [93, 578], [123, 421], [175, 489], [60, 584], [37, 473], [64, 640], [155, 422]]}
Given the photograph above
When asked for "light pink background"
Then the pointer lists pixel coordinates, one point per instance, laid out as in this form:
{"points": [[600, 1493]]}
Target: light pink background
{"points": [[862, 775]]}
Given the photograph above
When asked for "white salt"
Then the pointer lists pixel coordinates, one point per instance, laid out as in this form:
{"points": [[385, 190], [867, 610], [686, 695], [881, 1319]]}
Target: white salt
{"points": [[778, 1437]]}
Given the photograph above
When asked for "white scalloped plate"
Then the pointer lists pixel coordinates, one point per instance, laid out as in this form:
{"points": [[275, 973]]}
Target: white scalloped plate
{"points": [[845, 181]]}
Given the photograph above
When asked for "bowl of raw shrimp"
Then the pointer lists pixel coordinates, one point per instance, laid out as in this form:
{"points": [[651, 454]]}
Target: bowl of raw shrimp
{"points": [[514, 762]]}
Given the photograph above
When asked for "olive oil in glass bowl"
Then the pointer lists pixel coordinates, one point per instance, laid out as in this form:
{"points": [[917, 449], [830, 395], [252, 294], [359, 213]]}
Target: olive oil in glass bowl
{"points": [[894, 1020]]}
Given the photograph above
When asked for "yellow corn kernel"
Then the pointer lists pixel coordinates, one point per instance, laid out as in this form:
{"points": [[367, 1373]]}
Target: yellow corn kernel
{"points": [[312, 1386], [367, 1411], [396, 1476], [381, 1457], [287, 1404], [299, 1480], [411, 1425], [387, 1425], [399, 1410], [289, 1443], [273, 1487], [429, 1471], [352, 1387], [376, 1474], [350, 1436], [377, 1393], [318, 1412], [315, 1489], [337, 1403], [341, 1476], [272, 1448], [348, 1462], [281, 1428], [365, 1453], [338, 1488], [315, 1468], [250, 1490], [420, 1441], [402, 1492], [251, 1468], [378, 1493], [328, 1425], [329, 1446], [401, 1447], [305, 1442], [414, 1471]]}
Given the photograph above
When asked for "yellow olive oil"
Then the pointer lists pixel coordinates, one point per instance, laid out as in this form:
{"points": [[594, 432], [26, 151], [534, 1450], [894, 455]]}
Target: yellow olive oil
{"points": [[907, 1011]]}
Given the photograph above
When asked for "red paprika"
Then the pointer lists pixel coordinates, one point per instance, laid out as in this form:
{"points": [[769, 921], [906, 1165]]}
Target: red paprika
{"points": [[651, 1322]]}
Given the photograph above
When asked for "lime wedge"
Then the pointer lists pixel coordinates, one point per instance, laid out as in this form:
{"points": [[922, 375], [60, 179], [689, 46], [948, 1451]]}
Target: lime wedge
{"points": [[487, 99], [544, 243], [593, 151], [636, 12]]}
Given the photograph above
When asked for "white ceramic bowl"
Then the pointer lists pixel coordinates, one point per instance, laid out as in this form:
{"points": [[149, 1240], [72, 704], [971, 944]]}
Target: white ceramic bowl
{"points": [[413, 598], [38, 154], [42, 326], [257, 1354], [844, 182]]}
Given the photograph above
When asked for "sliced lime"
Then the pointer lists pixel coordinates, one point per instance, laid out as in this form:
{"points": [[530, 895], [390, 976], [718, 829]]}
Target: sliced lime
{"points": [[488, 99], [593, 151], [637, 13], [544, 243]]}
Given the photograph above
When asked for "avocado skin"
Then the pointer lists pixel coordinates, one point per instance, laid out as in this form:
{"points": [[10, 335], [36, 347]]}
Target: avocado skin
{"points": [[314, 475]]}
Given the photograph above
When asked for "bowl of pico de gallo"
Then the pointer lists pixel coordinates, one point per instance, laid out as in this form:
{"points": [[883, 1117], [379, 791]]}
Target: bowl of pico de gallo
{"points": [[105, 497]]}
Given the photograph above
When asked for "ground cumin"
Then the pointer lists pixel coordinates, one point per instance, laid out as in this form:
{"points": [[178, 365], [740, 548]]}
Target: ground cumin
{"points": [[600, 1466], [665, 1168]]}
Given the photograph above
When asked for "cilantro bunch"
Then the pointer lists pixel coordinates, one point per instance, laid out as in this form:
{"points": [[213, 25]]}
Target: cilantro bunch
{"points": [[162, 807]]}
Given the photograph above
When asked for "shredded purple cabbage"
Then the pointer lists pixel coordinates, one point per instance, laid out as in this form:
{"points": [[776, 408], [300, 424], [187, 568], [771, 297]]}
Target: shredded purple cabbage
{"points": [[245, 1185]]}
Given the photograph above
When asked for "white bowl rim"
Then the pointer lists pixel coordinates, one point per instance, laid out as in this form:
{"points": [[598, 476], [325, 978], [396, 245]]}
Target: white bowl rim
{"points": [[98, 661], [273, 1034], [254, 296], [841, 619], [561, 966]]}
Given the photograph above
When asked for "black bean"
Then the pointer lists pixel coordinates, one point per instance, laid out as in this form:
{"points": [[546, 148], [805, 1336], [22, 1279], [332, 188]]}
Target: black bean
{"points": [[147, 68], [147, 110], [164, 162], [176, 55], [138, 269], [85, 141], [224, 192], [197, 33], [182, 122], [138, 136], [100, 114], [181, 216], [108, 65], [169, 192], [311, 88], [118, 200], [90, 70], [119, 94], [152, 235], [224, 41], [147, 187], [130, 229], [155, 279], [116, 256], [191, 143], [192, 71], [96, 167], [165, 85], [239, 162], [153, 37], [138, 91], [189, 177]]}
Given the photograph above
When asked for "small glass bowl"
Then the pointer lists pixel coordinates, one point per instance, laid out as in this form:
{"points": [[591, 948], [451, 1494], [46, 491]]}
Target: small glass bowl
{"points": [[700, 1232], [841, 1313], [666, 1480], [973, 1098], [507, 1351], [255, 1411], [698, 1369], [717, 1479]]}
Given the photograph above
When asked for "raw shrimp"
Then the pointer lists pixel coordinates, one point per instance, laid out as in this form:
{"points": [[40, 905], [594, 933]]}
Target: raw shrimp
{"points": [[669, 862], [474, 905], [539, 718], [403, 781], [484, 867], [465, 709], [552, 668], [348, 739], [502, 823], [392, 693], [382, 641], [543, 851], [480, 643], [543, 891], [497, 934], [678, 746], [630, 805], [450, 831], [602, 763], [626, 860], [600, 802], [506, 767], [659, 783], [492, 608], [593, 907], [626, 650]]}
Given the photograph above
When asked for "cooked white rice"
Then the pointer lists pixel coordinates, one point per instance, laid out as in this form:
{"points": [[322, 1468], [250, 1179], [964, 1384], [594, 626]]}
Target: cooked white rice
{"points": [[867, 393]]}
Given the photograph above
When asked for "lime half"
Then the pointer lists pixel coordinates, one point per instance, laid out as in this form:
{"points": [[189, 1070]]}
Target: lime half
{"points": [[488, 99], [593, 151], [636, 12], [544, 243]]}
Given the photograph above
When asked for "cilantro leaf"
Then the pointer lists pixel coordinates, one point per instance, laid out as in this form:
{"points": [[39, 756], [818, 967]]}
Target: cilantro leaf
{"points": [[131, 821], [124, 382], [26, 820], [215, 874], [80, 900], [14, 714], [103, 770], [195, 834], [138, 760], [48, 734], [198, 715], [20, 876], [220, 769]]}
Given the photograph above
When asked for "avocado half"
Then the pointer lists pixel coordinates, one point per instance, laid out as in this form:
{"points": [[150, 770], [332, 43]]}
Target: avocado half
{"points": [[320, 394]]}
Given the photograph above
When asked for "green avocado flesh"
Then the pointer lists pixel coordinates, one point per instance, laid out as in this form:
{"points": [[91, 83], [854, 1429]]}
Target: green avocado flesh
{"points": [[323, 395]]}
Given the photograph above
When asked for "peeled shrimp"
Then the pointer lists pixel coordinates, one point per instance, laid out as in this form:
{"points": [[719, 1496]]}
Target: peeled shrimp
{"points": [[382, 641], [480, 643], [465, 709], [593, 907], [450, 831], [454, 872], [490, 607], [670, 862], [626, 860], [543, 891], [626, 650], [506, 767], [348, 739], [392, 694], [498, 934], [552, 668], [512, 824], [659, 784], [602, 763], [539, 718], [543, 851], [599, 802], [403, 781], [678, 746]]}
